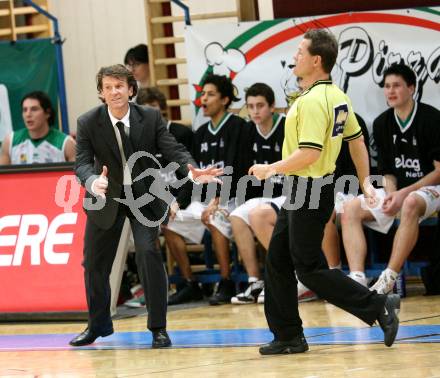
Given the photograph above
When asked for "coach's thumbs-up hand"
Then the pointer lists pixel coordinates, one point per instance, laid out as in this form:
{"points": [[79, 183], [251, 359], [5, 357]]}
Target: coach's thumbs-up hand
{"points": [[99, 186]]}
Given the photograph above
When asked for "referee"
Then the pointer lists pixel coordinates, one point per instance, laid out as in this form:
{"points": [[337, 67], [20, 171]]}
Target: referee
{"points": [[315, 126]]}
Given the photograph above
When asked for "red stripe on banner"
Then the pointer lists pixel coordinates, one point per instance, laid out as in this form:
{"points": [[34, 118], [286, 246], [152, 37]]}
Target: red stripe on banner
{"points": [[326, 22]]}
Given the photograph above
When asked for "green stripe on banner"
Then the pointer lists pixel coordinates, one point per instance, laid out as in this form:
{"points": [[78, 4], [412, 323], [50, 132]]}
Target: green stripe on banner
{"points": [[429, 10], [252, 32], [240, 41]]}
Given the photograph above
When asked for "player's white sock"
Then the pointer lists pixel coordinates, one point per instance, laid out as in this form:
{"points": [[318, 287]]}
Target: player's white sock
{"points": [[359, 277], [391, 273], [339, 266]]}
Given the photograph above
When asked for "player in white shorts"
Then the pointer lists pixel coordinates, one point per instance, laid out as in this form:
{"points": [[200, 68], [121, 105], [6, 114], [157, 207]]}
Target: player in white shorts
{"points": [[407, 136], [188, 222], [243, 211]]}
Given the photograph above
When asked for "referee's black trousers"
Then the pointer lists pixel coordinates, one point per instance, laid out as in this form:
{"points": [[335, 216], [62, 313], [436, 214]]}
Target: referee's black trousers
{"points": [[296, 246]]}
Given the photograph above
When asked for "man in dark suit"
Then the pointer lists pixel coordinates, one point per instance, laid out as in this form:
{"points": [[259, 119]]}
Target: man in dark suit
{"points": [[108, 137]]}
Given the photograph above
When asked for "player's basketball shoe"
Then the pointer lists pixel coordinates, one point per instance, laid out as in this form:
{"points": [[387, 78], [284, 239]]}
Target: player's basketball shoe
{"points": [[385, 283], [250, 295], [305, 294]]}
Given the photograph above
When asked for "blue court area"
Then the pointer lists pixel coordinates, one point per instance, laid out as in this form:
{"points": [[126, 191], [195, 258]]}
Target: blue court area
{"points": [[220, 338]]}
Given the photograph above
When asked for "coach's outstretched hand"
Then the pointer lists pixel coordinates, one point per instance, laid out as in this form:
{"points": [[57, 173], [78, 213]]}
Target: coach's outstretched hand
{"points": [[206, 175]]}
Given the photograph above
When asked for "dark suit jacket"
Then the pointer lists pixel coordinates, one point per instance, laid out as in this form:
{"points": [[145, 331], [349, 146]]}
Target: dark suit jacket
{"points": [[183, 134], [97, 146]]}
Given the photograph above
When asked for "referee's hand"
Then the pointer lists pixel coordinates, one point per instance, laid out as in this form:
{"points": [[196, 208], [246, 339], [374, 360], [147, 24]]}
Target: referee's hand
{"points": [[262, 171]]}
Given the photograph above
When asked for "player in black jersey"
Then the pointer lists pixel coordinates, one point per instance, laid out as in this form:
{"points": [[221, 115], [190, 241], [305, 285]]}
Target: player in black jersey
{"points": [[408, 145], [266, 141], [215, 143]]}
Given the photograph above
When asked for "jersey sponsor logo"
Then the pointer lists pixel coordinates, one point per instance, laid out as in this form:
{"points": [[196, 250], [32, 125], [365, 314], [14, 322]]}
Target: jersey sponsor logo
{"points": [[216, 164], [411, 166], [414, 174], [37, 237], [340, 117], [402, 162]]}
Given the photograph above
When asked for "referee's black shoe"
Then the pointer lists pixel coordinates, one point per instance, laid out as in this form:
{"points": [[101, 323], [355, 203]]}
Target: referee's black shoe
{"points": [[88, 337], [296, 345], [388, 319], [160, 339]]}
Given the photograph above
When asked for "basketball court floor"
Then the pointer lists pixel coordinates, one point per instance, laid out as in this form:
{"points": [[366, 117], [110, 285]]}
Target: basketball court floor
{"points": [[223, 341]]}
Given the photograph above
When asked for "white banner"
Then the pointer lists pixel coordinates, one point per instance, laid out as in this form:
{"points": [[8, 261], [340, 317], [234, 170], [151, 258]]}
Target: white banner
{"points": [[369, 42]]}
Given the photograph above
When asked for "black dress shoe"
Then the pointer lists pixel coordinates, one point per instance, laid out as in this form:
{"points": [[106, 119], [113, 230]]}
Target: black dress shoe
{"points": [[87, 337], [296, 345], [161, 339]]}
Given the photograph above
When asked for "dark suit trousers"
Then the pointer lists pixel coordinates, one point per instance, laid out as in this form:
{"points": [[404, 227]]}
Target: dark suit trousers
{"points": [[99, 253], [296, 246]]}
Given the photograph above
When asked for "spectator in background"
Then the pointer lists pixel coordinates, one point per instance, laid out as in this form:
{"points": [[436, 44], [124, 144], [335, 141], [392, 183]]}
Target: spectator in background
{"points": [[37, 143], [154, 97], [136, 60]]}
